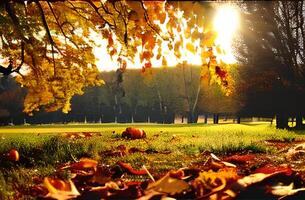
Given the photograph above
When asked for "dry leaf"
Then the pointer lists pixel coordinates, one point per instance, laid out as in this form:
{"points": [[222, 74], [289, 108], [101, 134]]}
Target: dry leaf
{"points": [[169, 185], [209, 182], [84, 163], [59, 189], [129, 169], [253, 178]]}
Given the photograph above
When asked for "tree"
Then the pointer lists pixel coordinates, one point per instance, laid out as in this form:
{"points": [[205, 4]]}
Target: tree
{"points": [[273, 38], [50, 41]]}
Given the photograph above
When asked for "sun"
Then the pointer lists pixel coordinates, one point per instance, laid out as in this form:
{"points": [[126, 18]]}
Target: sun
{"points": [[226, 23]]}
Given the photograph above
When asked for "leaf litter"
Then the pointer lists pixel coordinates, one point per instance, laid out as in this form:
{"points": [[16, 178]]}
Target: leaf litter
{"points": [[233, 176]]}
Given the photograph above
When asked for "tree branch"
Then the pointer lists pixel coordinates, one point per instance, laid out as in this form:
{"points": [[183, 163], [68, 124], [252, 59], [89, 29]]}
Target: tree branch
{"points": [[45, 24]]}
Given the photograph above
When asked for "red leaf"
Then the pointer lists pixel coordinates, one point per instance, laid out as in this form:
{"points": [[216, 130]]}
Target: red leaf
{"points": [[221, 73], [147, 65], [128, 168], [270, 169], [240, 158]]}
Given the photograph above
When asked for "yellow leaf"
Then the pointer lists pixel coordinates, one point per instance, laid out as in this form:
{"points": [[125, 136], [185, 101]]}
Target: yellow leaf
{"points": [[190, 47], [169, 185]]}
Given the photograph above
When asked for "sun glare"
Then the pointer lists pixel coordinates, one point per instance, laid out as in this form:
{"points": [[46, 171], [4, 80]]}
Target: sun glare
{"points": [[226, 23]]}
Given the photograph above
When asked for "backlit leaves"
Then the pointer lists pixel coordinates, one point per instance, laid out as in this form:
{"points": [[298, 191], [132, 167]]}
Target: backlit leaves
{"points": [[58, 48]]}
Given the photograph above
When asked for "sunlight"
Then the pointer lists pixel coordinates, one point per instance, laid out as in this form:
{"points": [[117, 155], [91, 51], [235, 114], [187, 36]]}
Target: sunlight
{"points": [[226, 23]]}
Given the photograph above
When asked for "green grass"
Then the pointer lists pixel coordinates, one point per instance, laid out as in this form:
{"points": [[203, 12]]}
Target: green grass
{"points": [[42, 148]]}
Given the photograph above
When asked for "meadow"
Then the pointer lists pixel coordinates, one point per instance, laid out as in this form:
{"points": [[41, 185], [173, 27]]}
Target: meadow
{"points": [[43, 148]]}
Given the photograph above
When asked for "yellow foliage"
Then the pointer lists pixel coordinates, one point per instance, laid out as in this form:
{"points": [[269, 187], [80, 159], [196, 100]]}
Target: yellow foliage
{"points": [[60, 69]]}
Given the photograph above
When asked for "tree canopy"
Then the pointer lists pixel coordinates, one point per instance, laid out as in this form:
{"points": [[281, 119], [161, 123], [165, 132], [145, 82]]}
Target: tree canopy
{"points": [[50, 42]]}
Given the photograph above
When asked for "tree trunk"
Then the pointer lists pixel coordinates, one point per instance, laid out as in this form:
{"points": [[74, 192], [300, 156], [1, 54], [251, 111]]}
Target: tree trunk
{"points": [[281, 121], [205, 119], [215, 118], [299, 121], [238, 120], [191, 118]]}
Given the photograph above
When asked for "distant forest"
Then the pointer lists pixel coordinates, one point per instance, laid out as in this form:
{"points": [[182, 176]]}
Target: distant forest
{"points": [[161, 95]]}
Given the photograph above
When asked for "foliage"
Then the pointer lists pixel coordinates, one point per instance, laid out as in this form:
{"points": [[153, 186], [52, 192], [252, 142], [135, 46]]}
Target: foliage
{"points": [[52, 41]]}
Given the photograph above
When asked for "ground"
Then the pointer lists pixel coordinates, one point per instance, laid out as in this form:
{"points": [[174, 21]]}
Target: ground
{"points": [[44, 148]]}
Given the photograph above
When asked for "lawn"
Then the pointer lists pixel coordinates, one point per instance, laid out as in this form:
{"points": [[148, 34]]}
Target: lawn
{"points": [[43, 148]]}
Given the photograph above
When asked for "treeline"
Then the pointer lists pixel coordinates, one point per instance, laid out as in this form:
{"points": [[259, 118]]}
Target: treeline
{"points": [[161, 95], [156, 96]]}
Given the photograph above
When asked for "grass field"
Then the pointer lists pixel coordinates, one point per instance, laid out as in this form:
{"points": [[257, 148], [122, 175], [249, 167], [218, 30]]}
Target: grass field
{"points": [[43, 147]]}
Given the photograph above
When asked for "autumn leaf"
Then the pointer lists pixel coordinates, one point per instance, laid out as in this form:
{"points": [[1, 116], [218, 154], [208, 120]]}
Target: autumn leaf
{"points": [[168, 184], [129, 169], [84, 163], [209, 182], [59, 189], [191, 48], [285, 190]]}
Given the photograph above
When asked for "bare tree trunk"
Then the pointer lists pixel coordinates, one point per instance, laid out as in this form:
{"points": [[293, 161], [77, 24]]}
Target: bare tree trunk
{"points": [[216, 118], [195, 103], [281, 121], [238, 120], [299, 121]]}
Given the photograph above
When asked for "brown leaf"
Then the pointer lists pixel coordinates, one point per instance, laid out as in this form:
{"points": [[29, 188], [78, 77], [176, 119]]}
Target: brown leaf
{"points": [[210, 182], [129, 169], [270, 169]]}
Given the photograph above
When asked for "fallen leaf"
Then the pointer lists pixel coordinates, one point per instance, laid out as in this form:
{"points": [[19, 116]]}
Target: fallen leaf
{"points": [[169, 185], [209, 182], [285, 190], [252, 179], [84, 163], [59, 189], [270, 169], [241, 159], [296, 152], [129, 169], [222, 163]]}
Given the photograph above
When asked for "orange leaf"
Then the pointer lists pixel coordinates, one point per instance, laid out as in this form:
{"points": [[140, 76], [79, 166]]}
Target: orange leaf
{"points": [[147, 55], [59, 189], [128, 168], [110, 41], [84, 163]]}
